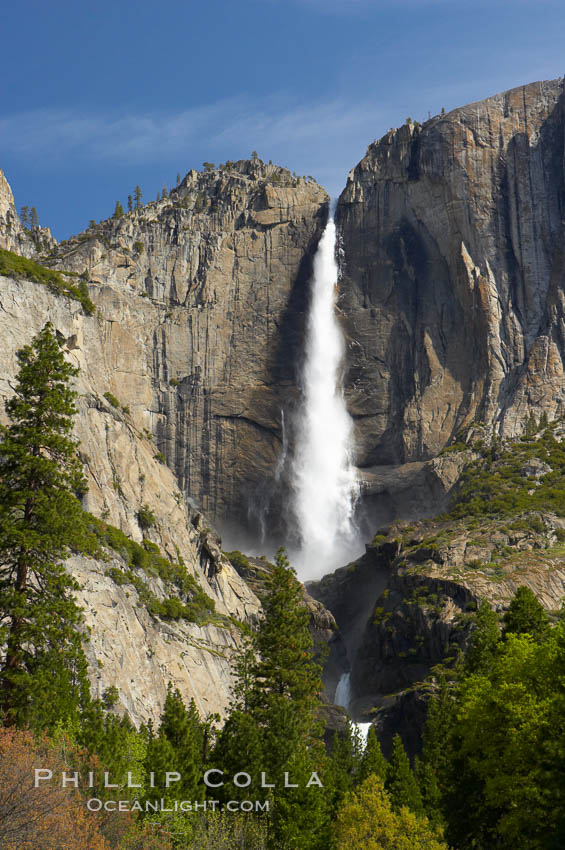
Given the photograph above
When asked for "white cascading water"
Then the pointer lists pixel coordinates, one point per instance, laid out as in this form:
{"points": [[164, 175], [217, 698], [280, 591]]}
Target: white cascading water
{"points": [[325, 488], [343, 698]]}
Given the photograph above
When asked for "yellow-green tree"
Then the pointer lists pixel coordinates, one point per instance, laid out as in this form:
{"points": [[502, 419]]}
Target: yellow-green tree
{"points": [[367, 821]]}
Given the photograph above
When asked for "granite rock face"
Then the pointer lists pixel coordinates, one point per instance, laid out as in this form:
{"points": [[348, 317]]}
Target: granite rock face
{"points": [[15, 237], [185, 367], [453, 286], [408, 605], [128, 648], [207, 290]]}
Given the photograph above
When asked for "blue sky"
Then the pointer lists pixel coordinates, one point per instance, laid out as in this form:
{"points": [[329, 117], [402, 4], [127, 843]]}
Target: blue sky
{"points": [[100, 96]]}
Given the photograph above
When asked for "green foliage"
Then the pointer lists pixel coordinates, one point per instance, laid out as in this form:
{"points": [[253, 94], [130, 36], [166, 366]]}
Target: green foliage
{"points": [[434, 763], [526, 615], [273, 724], [110, 697], [372, 761], [12, 265], [238, 559], [505, 788], [43, 666], [484, 639], [118, 211], [230, 830], [492, 765], [138, 247], [378, 538], [401, 783], [145, 517], [286, 695], [368, 820], [457, 446], [193, 605], [208, 166], [344, 763], [184, 735], [495, 485], [111, 399], [160, 457]]}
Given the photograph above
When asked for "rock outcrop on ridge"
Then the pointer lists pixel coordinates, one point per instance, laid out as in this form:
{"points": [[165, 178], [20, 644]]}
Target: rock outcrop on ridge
{"points": [[13, 235]]}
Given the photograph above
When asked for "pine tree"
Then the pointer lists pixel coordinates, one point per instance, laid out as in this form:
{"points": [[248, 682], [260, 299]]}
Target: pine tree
{"points": [[130, 203], [401, 783], [137, 195], [344, 762], [273, 726], [484, 639], [158, 198], [526, 615], [42, 673], [372, 762], [165, 193], [434, 769], [185, 732], [119, 210], [285, 698], [34, 219], [531, 425], [24, 216], [178, 178]]}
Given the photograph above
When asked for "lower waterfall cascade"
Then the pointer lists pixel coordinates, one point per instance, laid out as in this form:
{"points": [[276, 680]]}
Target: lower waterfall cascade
{"points": [[343, 698]]}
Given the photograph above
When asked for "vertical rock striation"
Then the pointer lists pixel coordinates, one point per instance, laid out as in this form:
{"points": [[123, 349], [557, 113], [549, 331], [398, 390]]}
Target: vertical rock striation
{"points": [[453, 282], [129, 648], [209, 285]]}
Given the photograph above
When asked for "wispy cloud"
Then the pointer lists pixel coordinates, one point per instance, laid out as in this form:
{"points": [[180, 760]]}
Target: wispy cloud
{"points": [[301, 135]]}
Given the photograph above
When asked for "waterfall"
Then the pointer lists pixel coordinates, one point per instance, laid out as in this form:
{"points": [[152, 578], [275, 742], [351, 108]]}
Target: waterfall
{"points": [[343, 691], [323, 477], [343, 698]]}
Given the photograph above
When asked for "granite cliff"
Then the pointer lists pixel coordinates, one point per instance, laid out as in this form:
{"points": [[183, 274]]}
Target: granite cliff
{"points": [[128, 648], [185, 365], [452, 290], [452, 302], [206, 290]]}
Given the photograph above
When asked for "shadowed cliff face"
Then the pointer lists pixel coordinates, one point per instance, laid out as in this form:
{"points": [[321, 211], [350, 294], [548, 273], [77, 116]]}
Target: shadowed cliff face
{"points": [[453, 275], [220, 271]]}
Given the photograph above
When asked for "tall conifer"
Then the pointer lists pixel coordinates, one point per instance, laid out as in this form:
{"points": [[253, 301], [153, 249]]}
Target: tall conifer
{"points": [[42, 666], [401, 783], [372, 761]]}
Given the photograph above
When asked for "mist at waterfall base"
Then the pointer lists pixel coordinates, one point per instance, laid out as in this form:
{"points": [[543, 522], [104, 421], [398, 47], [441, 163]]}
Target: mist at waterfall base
{"points": [[323, 481]]}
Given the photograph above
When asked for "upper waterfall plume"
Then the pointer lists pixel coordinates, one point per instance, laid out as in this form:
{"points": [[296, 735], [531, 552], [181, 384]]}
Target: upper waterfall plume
{"points": [[324, 482]]}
